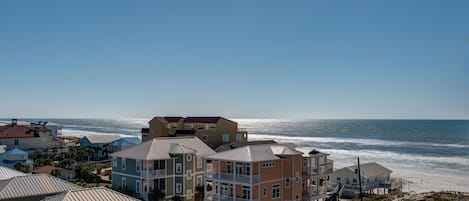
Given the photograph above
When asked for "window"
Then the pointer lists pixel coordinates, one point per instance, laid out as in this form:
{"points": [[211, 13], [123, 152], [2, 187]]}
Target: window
{"points": [[178, 168], [226, 137], [354, 180], [114, 162], [246, 193], [248, 169], [224, 189], [265, 192], [137, 186], [287, 182], [239, 137], [276, 191], [338, 178], [178, 188], [16, 142], [137, 165], [199, 162], [124, 183], [268, 164], [199, 180], [239, 168], [188, 157], [189, 174], [347, 180], [123, 163], [228, 167], [204, 137]]}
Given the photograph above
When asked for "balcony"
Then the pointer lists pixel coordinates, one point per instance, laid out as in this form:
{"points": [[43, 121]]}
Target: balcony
{"points": [[152, 173], [237, 178], [213, 196]]}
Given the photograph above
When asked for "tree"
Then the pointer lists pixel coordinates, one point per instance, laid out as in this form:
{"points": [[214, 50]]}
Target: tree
{"points": [[156, 195], [21, 167]]}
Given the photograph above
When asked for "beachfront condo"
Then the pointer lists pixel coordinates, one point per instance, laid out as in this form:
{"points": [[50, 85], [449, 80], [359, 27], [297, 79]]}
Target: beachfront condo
{"points": [[214, 131], [260, 172], [165, 167]]}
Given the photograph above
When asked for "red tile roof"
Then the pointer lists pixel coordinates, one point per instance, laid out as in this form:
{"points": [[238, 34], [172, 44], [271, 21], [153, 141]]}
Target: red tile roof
{"points": [[19, 131]]}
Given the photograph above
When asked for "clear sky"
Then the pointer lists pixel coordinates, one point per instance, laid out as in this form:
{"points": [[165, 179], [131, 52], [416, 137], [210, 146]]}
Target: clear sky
{"points": [[280, 59]]}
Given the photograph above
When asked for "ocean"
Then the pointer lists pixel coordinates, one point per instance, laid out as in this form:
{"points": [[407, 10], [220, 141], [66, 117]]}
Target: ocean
{"points": [[433, 154]]}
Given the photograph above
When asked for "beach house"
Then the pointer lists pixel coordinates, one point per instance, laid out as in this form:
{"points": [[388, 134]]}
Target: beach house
{"points": [[25, 136], [123, 143], [260, 172], [169, 166], [98, 145], [95, 194], [214, 131], [14, 156], [62, 173], [8, 173], [373, 176]]}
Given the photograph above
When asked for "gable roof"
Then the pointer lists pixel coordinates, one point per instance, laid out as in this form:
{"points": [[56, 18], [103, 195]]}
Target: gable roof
{"points": [[8, 173], [161, 148], [234, 145], [126, 141], [33, 185], [18, 131], [368, 169], [101, 139], [255, 153], [96, 194]]}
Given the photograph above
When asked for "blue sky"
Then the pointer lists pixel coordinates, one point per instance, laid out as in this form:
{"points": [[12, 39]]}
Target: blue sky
{"points": [[281, 59]]}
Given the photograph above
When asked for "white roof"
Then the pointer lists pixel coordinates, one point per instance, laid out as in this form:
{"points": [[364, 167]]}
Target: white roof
{"points": [[255, 153], [8, 173], [102, 139], [161, 148], [33, 185], [96, 194], [368, 169]]}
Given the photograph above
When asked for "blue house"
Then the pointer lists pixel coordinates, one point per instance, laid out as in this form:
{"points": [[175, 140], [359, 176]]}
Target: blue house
{"points": [[98, 144], [16, 155], [123, 143]]}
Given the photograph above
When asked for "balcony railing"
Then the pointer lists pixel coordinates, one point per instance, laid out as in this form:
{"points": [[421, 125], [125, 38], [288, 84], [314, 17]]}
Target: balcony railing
{"points": [[152, 173], [238, 178], [213, 196]]}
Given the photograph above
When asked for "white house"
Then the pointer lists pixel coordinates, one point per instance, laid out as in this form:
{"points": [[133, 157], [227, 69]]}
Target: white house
{"points": [[25, 136], [373, 175]]}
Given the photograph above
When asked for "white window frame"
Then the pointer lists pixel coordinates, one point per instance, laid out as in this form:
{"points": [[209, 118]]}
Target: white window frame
{"points": [[124, 165], [275, 191], [123, 183], [204, 137], [137, 186], [138, 165], [178, 188], [239, 168], [230, 165], [265, 192], [189, 174], [199, 162], [287, 182], [114, 162], [179, 168], [226, 137]]}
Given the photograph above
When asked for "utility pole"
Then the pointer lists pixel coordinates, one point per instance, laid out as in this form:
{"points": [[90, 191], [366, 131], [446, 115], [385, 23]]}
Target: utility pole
{"points": [[360, 179]]}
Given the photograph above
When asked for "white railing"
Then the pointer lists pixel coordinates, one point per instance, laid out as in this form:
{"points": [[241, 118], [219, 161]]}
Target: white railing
{"points": [[238, 178], [153, 173]]}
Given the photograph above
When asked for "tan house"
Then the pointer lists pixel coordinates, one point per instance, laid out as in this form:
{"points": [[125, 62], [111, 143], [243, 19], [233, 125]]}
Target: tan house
{"points": [[214, 131]]}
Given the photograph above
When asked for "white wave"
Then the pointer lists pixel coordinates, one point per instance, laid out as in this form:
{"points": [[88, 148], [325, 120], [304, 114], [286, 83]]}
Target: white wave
{"points": [[351, 140], [81, 133]]}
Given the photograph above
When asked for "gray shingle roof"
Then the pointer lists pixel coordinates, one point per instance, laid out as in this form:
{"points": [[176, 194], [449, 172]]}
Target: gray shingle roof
{"points": [[8, 173], [161, 148], [33, 185], [95, 194]]}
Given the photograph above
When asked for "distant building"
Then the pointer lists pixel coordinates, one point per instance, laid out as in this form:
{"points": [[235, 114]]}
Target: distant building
{"points": [[33, 187], [98, 143], [262, 172], [123, 143], [214, 131], [373, 175], [25, 136], [3, 149], [15, 155], [95, 194], [173, 165], [62, 173]]}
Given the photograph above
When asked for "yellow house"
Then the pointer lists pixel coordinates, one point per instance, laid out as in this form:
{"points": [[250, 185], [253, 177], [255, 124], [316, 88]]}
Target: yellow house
{"points": [[214, 131]]}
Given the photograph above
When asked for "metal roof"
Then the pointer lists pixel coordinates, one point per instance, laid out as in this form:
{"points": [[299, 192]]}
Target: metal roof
{"points": [[33, 185], [161, 148], [95, 194], [8, 173], [255, 153], [102, 139]]}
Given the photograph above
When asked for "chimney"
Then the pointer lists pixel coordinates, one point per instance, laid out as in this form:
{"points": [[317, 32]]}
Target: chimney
{"points": [[14, 122]]}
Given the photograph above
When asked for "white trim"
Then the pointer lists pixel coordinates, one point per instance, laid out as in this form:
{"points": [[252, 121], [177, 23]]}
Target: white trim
{"points": [[137, 186], [123, 164]]}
